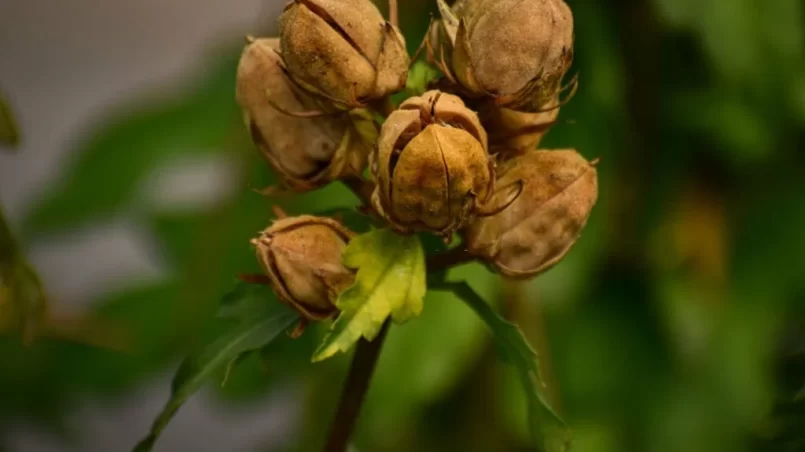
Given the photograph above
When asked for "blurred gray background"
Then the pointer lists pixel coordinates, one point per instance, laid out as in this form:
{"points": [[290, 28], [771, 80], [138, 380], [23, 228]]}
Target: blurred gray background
{"points": [[64, 64]]}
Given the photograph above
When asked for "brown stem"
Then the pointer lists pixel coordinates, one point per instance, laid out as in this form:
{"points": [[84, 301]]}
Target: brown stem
{"points": [[254, 278], [361, 187], [360, 372], [394, 13], [384, 107], [447, 259]]}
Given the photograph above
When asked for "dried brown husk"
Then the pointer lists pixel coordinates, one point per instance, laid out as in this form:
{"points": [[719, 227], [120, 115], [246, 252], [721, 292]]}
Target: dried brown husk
{"points": [[513, 132], [305, 152], [302, 256], [514, 51], [343, 51], [432, 167], [535, 232]]}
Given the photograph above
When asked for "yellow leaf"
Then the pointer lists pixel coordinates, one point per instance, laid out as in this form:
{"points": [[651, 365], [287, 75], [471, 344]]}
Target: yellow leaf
{"points": [[390, 281]]}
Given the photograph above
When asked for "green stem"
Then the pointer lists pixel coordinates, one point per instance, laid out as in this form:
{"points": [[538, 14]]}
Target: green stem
{"points": [[529, 315], [360, 373]]}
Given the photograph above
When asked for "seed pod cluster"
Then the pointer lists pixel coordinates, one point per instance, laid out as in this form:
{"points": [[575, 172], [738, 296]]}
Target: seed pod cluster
{"points": [[302, 258], [432, 168], [560, 188], [460, 158]]}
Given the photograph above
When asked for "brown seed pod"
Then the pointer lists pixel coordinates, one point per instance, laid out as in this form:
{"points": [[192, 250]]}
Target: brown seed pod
{"points": [[302, 258], [343, 50], [533, 234], [515, 51], [306, 152], [432, 168]]}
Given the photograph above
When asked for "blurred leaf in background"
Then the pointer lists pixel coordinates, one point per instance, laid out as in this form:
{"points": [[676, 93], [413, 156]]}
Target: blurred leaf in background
{"points": [[9, 133], [107, 168], [259, 318], [22, 299], [546, 427]]}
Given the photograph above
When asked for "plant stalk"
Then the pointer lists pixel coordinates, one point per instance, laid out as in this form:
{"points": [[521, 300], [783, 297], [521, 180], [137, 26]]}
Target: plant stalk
{"points": [[361, 187], [448, 259], [367, 353], [394, 13], [360, 373]]}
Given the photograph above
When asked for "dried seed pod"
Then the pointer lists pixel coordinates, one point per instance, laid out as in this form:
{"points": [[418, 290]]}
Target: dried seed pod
{"points": [[513, 132], [431, 165], [305, 152], [343, 50], [537, 230], [302, 258], [516, 51]]}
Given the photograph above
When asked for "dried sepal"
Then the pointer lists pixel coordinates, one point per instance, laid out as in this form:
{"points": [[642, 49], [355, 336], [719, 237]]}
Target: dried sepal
{"points": [[559, 189], [449, 19], [392, 63], [432, 168], [343, 51], [306, 152], [513, 132], [302, 256]]}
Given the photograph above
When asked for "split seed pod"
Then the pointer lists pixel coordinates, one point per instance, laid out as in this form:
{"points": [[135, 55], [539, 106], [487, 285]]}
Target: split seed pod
{"points": [[534, 233], [343, 50], [431, 166], [305, 152], [515, 51], [302, 258]]}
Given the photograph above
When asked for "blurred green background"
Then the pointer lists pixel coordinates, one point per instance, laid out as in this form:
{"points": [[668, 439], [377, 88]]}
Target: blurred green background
{"points": [[677, 323]]}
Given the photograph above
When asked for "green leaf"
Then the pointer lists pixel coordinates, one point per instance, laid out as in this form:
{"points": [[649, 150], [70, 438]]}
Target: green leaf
{"points": [[247, 301], [9, 135], [546, 427], [390, 281], [257, 328], [419, 77]]}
